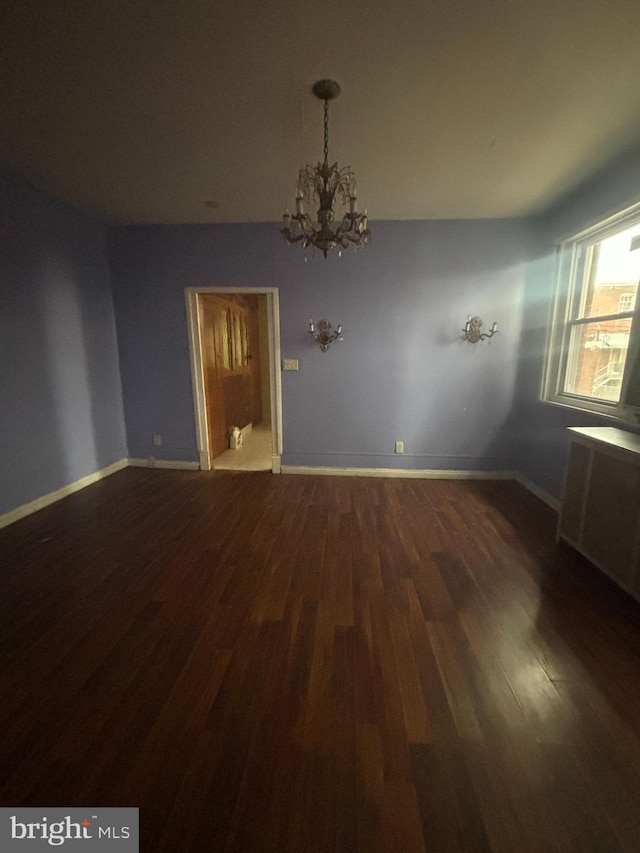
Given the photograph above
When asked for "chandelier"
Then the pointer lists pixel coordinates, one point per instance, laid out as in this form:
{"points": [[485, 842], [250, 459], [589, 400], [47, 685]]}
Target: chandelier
{"points": [[325, 183]]}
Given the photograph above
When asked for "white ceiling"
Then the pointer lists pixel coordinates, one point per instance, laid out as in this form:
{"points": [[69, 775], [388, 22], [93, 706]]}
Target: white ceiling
{"points": [[143, 112]]}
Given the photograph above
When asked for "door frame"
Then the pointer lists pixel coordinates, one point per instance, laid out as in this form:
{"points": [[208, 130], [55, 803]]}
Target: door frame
{"points": [[197, 373]]}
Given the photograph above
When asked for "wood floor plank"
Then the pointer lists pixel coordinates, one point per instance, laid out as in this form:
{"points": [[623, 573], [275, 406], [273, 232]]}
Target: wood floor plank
{"points": [[308, 664]]}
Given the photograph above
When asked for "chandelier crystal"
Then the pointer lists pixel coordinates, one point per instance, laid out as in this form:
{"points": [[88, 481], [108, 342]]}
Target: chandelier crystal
{"points": [[325, 184]]}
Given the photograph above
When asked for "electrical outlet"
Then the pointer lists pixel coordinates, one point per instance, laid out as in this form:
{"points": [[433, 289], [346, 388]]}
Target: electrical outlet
{"points": [[399, 446], [157, 440], [290, 364]]}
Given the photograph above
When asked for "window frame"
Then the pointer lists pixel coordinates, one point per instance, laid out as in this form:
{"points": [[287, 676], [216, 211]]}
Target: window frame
{"points": [[571, 256]]}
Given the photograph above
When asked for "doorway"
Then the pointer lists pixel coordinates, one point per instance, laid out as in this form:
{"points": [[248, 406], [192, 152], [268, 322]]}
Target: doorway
{"points": [[234, 340]]}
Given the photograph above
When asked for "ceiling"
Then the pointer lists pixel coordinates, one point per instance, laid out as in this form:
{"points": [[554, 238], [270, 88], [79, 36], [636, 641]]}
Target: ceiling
{"points": [[194, 111]]}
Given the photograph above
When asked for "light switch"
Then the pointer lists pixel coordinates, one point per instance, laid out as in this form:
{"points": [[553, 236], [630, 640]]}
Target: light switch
{"points": [[291, 364]]}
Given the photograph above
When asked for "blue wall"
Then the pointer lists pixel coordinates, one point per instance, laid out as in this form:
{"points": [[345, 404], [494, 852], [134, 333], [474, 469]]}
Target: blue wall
{"points": [[61, 414], [541, 428], [402, 371]]}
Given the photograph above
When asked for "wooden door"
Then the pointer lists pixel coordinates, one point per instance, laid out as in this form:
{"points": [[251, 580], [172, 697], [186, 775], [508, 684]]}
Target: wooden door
{"points": [[214, 335], [230, 332]]}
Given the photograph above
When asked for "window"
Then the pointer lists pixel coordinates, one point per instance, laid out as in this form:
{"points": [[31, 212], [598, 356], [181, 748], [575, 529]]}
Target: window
{"points": [[626, 302], [593, 332]]}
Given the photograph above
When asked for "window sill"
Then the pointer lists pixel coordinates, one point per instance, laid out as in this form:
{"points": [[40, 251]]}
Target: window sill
{"points": [[605, 413]]}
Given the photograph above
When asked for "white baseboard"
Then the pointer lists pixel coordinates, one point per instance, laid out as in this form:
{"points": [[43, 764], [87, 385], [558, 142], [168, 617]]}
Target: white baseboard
{"points": [[545, 497], [417, 474], [425, 474], [50, 498], [152, 462], [428, 474], [409, 473]]}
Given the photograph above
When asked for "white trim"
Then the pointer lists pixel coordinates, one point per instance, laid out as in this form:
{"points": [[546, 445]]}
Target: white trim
{"points": [[408, 473], [275, 377], [606, 225], [428, 474], [573, 256], [197, 377], [424, 474], [152, 462], [545, 497], [52, 497]]}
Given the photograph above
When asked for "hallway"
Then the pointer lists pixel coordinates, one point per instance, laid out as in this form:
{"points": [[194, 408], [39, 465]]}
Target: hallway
{"points": [[254, 455]]}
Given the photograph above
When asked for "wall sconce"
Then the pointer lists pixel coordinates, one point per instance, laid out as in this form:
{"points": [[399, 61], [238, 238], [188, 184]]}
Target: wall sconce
{"points": [[325, 336], [472, 333]]}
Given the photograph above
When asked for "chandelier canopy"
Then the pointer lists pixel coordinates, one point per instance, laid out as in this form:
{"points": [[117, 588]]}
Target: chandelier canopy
{"points": [[324, 184]]}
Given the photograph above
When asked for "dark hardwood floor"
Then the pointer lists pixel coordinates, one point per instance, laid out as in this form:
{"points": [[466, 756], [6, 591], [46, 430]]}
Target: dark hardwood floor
{"points": [[283, 663]]}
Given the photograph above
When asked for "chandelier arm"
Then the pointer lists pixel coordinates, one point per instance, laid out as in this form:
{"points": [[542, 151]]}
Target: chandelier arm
{"points": [[350, 223], [352, 238], [289, 237], [356, 237]]}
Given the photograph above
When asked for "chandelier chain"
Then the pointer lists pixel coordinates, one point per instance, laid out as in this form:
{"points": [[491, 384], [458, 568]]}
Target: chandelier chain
{"points": [[326, 132]]}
